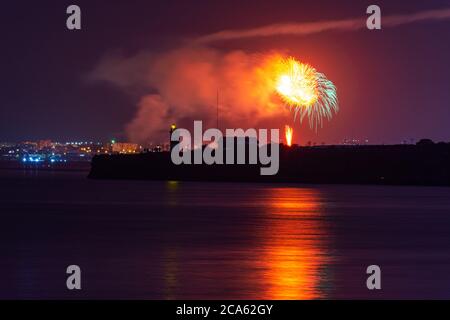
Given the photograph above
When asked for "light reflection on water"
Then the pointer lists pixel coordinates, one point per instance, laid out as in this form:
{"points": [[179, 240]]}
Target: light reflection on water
{"points": [[185, 240], [288, 258], [294, 245]]}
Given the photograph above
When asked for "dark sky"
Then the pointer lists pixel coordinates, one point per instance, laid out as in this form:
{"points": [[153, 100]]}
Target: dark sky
{"points": [[393, 84]]}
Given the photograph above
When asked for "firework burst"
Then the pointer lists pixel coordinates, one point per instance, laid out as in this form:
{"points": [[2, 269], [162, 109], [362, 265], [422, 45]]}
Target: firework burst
{"points": [[307, 92]]}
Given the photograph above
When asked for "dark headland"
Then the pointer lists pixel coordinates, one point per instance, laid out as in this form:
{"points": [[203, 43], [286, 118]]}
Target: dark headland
{"points": [[423, 164]]}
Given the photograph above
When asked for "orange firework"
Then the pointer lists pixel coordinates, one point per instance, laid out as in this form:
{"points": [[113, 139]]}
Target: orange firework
{"points": [[289, 133]]}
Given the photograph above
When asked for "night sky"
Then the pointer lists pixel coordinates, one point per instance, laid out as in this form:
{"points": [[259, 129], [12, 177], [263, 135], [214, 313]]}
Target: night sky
{"points": [[393, 84]]}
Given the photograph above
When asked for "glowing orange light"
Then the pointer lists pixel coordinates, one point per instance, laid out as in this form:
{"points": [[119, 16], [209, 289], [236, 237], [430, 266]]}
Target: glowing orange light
{"points": [[296, 83], [289, 133]]}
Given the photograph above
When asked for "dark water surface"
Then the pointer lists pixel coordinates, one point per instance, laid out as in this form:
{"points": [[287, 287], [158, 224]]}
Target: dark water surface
{"points": [[186, 240]]}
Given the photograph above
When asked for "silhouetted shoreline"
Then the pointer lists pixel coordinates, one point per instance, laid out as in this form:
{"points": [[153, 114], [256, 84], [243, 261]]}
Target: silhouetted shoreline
{"points": [[422, 164]]}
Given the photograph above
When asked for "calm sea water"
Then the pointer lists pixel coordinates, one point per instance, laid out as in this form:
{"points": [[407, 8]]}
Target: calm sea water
{"points": [[186, 240]]}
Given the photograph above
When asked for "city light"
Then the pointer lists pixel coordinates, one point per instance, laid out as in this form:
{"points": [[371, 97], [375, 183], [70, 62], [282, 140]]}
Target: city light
{"points": [[51, 152]]}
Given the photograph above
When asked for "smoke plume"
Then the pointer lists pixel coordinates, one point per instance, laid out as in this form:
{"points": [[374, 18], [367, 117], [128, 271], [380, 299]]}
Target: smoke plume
{"points": [[184, 84], [308, 28]]}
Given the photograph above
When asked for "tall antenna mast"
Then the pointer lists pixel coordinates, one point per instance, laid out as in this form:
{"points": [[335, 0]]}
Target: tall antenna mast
{"points": [[217, 108]]}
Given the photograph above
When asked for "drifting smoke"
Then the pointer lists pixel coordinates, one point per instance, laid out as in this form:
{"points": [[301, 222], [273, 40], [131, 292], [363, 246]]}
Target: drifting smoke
{"points": [[185, 83], [308, 28]]}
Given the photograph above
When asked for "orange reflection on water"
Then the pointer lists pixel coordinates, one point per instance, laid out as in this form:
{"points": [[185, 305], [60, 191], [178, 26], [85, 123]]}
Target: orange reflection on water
{"points": [[170, 273], [294, 257]]}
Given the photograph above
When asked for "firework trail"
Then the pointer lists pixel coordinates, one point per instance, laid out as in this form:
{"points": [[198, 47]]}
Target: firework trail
{"points": [[307, 92]]}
